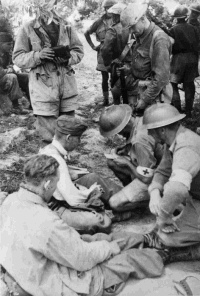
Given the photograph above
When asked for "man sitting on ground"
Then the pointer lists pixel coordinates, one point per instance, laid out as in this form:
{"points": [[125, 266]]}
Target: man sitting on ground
{"points": [[70, 200], [133, 163], [175, 185], [52, 257]]}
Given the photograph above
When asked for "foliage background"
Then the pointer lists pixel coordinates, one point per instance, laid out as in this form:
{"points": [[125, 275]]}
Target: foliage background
{"points": [[18, 11]]}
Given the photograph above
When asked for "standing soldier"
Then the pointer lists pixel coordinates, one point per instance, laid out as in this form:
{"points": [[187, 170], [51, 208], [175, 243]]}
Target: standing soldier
{"points": [[115, 41], [49, 47], [148, 76], [100, 27], [184, 63], [194, 20]]}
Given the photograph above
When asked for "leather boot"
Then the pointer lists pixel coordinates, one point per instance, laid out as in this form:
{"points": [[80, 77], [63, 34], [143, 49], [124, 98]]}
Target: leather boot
{"points": [[191, 253], [105, 98]]}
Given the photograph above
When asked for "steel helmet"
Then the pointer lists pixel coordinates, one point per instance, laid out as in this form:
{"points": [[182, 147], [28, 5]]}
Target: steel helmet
{"points": [[109, 3], [161, 114], [113, 119], [117, 8], [195, 7], [181, 12], [133, 12]]}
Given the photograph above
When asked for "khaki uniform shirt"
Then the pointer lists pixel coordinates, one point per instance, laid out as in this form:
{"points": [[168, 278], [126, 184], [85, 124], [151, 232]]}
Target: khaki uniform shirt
{"points": [[50, 84], [43, 254], [179, 171]]}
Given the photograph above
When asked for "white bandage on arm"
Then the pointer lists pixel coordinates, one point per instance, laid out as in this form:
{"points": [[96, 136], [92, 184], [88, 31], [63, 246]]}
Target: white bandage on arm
{"points": [[145, 172], [181, 176]]}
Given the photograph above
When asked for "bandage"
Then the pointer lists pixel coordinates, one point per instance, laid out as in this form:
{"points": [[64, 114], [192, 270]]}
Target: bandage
{"points": [[181, 176], [146, 172]]}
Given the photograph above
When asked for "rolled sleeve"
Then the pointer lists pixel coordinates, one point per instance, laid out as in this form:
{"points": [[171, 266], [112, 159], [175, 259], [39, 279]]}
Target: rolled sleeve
{"points": [[163, 171], [186, 165], [160, 66], [144, 147]]}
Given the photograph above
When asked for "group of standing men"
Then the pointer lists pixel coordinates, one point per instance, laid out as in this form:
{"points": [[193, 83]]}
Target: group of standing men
{"points": [[142, 53], [51, 218]]}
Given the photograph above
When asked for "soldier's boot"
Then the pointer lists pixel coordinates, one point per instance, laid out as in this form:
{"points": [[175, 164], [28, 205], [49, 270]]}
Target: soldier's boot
{"points": [[105, 98], [191, 253]]}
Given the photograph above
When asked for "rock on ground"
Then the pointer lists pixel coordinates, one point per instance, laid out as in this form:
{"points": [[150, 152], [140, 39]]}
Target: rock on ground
{"points": [[12, 137]]}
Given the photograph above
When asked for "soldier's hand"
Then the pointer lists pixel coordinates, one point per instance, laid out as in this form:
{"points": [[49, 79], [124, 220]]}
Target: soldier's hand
{"points": [[167, 225], [125, 69], [97, 47], [141, 105], [121, 150], [121, 161], [47, 53], [117, 61], [10, 70], [154, 204]]}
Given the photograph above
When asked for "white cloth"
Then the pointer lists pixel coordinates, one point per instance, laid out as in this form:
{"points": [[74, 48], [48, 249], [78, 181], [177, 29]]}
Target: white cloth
{"points": [[181, 176], [65, 190]]}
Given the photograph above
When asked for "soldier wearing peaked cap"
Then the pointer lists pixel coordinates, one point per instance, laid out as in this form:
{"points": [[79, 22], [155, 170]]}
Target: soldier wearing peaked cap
{"points": [[148, 76], [75, 203]]}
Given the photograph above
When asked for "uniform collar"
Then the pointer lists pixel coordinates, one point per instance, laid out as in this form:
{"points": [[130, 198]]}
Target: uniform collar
{"points": [[60, 148], [179, 131], [146, 32], [134, 129], [28, 196]]}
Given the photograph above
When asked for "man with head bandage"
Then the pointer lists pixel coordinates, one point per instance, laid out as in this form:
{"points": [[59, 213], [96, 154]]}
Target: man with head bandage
{"points": [[71, 200]]}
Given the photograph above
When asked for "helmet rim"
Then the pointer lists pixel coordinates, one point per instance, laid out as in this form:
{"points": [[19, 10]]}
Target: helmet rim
{"points": [[116, 130], [161, 115]]}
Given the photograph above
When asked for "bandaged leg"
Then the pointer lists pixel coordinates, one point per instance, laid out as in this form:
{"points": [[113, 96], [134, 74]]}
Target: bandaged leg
{"points": [[130, 197]]}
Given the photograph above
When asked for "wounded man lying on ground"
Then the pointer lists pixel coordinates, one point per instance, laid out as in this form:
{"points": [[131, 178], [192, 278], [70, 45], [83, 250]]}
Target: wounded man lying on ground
{"points": [[79, 204], [53, 259]]}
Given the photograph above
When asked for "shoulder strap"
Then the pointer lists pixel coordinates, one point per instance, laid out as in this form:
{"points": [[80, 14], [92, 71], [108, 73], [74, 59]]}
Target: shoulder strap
{"points": [[127, 49], [69, 31]]}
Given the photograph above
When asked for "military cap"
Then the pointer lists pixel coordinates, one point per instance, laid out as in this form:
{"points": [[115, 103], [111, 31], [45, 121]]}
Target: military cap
{"points": [[70, 125]]}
